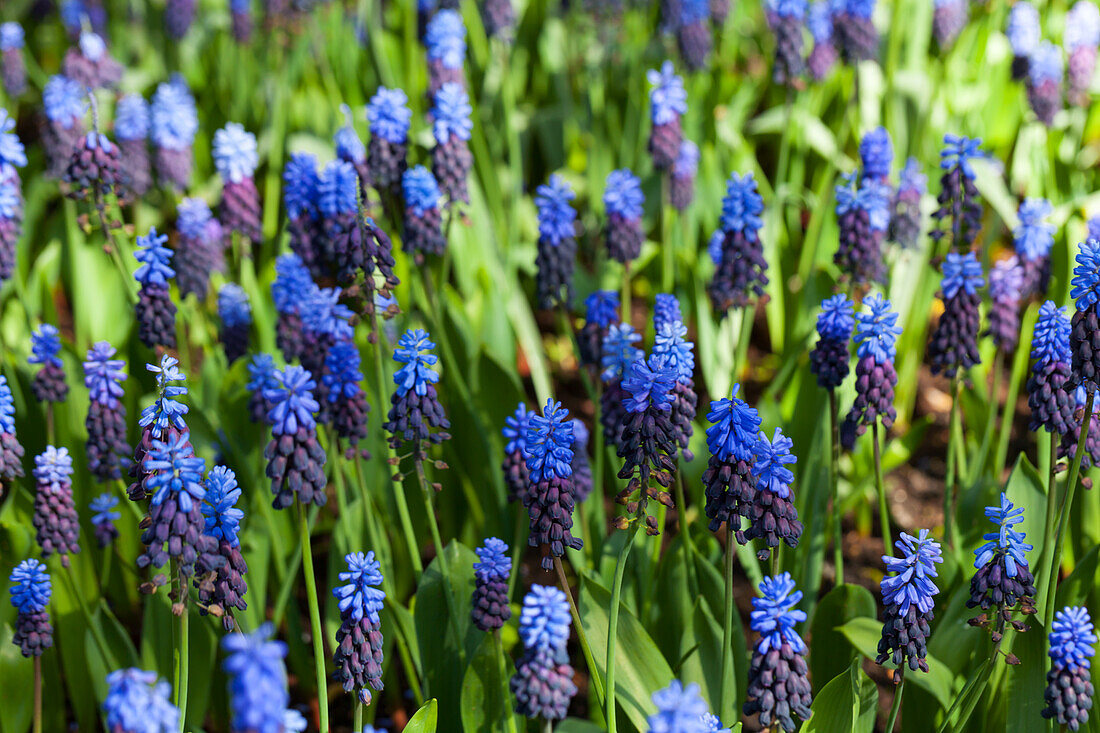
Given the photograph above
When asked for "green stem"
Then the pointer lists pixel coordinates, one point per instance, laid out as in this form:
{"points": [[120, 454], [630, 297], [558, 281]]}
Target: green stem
{"points": [[357, 717], [685, 530], [834, 485], [1067, 506], [953, 450], [979, 465], [314, 616], [895, 707], [281, 601], [444, 568], [97, 635], [502, 661], [1052, 512], [626, 313], [184, 655], [741, 348], [38, 694], [668, 276], [880, 489], [586, 649], [727, 621], [613, 622]]}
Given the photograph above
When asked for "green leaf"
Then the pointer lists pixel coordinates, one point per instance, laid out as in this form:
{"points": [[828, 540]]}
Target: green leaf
{"points": [[968, 699], [703, 664], [846, 704], [864, 634], [1025, 681], [639, 667], [831, 649], [425, 720], [576, 725], [1075, 590], [483, 704], [17, 674]]}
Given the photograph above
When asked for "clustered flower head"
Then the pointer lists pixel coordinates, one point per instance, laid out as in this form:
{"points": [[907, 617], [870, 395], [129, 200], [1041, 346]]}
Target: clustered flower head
{"points": [[258, 695], [1085, 324], [65, 104], [199, 248], [683, 171], [295, 458], [728, 480], [1048, 385], [1081, 38], [550, 494], [618, 354], [668, 104], [301, 186], [740, 272], [1034, 239], [90, 64], [262, 376], [693, 32], [348, 406], [11, 451], [104, 517], [557, 247], [1069, 690], [235, 158], [221, 578], [415, 415], [829, 357], [856, 36], [235, 313], [786, 18], [623, 200], [954, 343], [489, 607], [292, 279], [451, 126], [389, 116], [601, 310], [1024, 34], [12, 156], [423, 213], [543, 682], [823, 55], [13, 71], [358, 656], [1006, 285], [959, 214], [1045, 73], [769, 505], [1003, 578], [161, 420], [779, 685], [137, 702], [680, 709], [132, 122], [350, 148], [671, 345], [175, 123], [514, 466], [949, 17], [56, 524], [94, 169], [863, 217], [908, 599], [49, 383], [155, 311], [445, 38], [906, 221], [876, 346], [30, 594]]}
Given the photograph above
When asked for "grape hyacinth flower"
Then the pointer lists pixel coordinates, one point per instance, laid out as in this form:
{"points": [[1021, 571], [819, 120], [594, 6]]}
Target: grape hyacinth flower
{"points": [[30, 594], [11, 222], [415, 414], [1034, 239], [347, 403], [95, 169], [137, 702], [358, 656], [543, 682], [1081, 38], [13, 72], [1094, 228], [161, 420], [769, 507], [65, 104], [876, 348], [49, 383], [258, 696], [954, 343], [619, 353], [550, 494], [856, 36], [489, 607], [693, 35], [178, 16], [557, 247], [155, 311], [292, 283], [351, 150], [786, 18], [445, 38], [582, 469], [104, 517], [132, 132], [514, 466], [56, 524], [236, 316], [1067, 449], [905, 216], [451, 126], [1044, 82], [623, 199], [666, 310], [389, 115], [199, 249], [823, 55], [601, 311], [907, 597], [680, 709], [174, 527], [1006, 284], [648, 444], [90, 64], [11, 452], [1024, 35], [863, 215], [711, 724], [1085, 324], [221, 578], [1069, 690], [949, 17], [324, 322], [499, 19], [240, 20], [960, 210], [106, 421], [235, 159], [339, 206], [876, 155], [728, 479], [741, 270], [671, 345], [1003, 578], [668, 104], [300, 194], [423, 217], [174, 125], [1048, 392], [779, 685], [684, 169], [295, 458], [263, 375], [829, 357]]}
